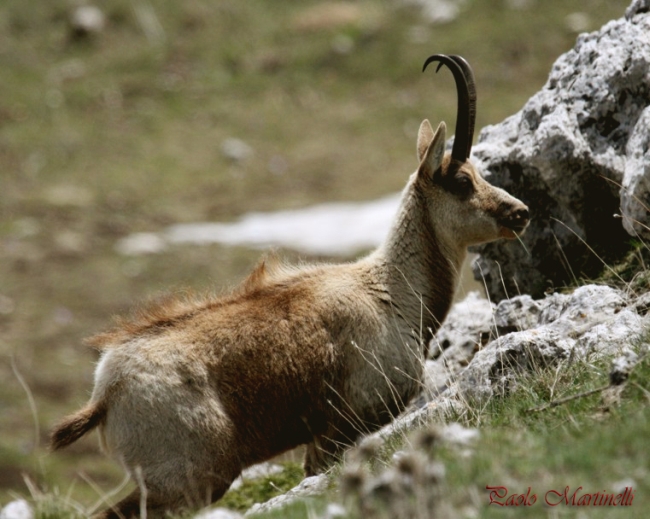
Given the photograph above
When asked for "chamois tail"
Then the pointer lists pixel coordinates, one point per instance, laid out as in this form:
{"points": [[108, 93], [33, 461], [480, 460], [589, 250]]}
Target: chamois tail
{"points": [[76, 425]]}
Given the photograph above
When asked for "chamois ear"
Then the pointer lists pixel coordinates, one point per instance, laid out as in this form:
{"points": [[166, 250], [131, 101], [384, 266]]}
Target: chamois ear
{"points": [[425, 136], [431, 147]]}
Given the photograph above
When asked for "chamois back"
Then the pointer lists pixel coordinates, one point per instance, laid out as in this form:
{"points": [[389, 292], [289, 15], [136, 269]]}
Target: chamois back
{"points": [[171, 309]]}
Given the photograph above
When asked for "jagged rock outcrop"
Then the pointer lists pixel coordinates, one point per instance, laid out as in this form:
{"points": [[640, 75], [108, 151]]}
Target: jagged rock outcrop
{"points": [[577, 154], [482, 346], [527, 335]]}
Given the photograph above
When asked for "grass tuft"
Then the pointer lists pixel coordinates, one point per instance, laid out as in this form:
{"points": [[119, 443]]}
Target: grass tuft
{"points": [[262, 489]]}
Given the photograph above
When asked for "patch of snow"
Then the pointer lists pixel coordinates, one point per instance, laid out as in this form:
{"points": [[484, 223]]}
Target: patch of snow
{"points": [[140, 243], [330, 229]]}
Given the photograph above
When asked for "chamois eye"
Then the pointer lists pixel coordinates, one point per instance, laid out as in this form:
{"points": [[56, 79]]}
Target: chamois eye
{"points": [[463, 184]]}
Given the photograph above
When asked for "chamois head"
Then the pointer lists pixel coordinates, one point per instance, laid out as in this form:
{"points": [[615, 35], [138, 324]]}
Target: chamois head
{"points": [[463, 205]]}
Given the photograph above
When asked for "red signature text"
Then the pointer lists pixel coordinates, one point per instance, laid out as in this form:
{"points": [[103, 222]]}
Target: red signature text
{"points": [[580, 498], [499, 496]]}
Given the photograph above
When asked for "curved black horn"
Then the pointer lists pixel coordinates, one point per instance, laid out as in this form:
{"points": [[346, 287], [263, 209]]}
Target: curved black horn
{"points": [[466, 111], [471, 90]]}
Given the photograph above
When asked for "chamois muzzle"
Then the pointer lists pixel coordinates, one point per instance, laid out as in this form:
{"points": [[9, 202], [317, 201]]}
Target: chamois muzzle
{"points": [[466, 111], [515, 220]]}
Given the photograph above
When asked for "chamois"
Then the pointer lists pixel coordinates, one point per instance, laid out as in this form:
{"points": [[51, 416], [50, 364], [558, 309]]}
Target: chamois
{"points": [[189, 393]]}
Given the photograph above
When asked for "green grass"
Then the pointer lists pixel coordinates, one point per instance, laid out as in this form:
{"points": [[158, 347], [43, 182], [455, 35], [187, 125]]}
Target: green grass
{"points": [[584, 442], [633, 272], [262, 489], [122, 133]]}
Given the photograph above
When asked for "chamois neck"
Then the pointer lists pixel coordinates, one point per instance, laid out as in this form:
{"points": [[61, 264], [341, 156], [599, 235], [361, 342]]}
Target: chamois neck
{"points": [[421, 265]]}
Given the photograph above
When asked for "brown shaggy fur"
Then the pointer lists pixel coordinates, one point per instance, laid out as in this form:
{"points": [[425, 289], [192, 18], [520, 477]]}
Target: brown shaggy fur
{"points": [[171, 309]]}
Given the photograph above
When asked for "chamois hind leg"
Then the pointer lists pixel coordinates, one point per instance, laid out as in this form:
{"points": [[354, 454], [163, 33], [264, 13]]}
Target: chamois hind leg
{"points": [[158, 505], [180, 483], [129, 507]]}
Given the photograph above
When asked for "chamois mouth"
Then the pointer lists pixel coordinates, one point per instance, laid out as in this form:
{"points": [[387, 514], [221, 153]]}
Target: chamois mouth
{"points": [[514, 222], [511, 231]]}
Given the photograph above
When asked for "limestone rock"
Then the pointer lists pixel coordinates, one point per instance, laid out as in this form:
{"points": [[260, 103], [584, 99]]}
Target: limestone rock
{"points": [[592, 322], [466, 322], [516, 314], [635, 190], [577, 154], [219, 513], [494, 370], [312, 486], [637, 7], [465, 329]]}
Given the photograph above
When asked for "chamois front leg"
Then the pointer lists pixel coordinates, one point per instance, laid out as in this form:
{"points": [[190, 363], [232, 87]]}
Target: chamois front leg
{"points": [[321, 454], [327, 448]]}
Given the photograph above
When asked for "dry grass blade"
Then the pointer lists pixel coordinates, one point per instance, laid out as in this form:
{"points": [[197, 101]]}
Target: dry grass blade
{"points": [[30, 399], [567, 399]]}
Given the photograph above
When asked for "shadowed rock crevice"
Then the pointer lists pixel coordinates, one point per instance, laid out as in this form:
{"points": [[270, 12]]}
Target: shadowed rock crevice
{"points": [[577, 155]]}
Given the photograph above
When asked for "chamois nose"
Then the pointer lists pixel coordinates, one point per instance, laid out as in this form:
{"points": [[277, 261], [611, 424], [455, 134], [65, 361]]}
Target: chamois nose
{"points": [[516, 219], [521, 215], [519, 218]]}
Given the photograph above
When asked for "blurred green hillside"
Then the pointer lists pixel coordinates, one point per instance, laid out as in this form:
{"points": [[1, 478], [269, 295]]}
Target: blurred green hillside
{"points": [[123, 131]]}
